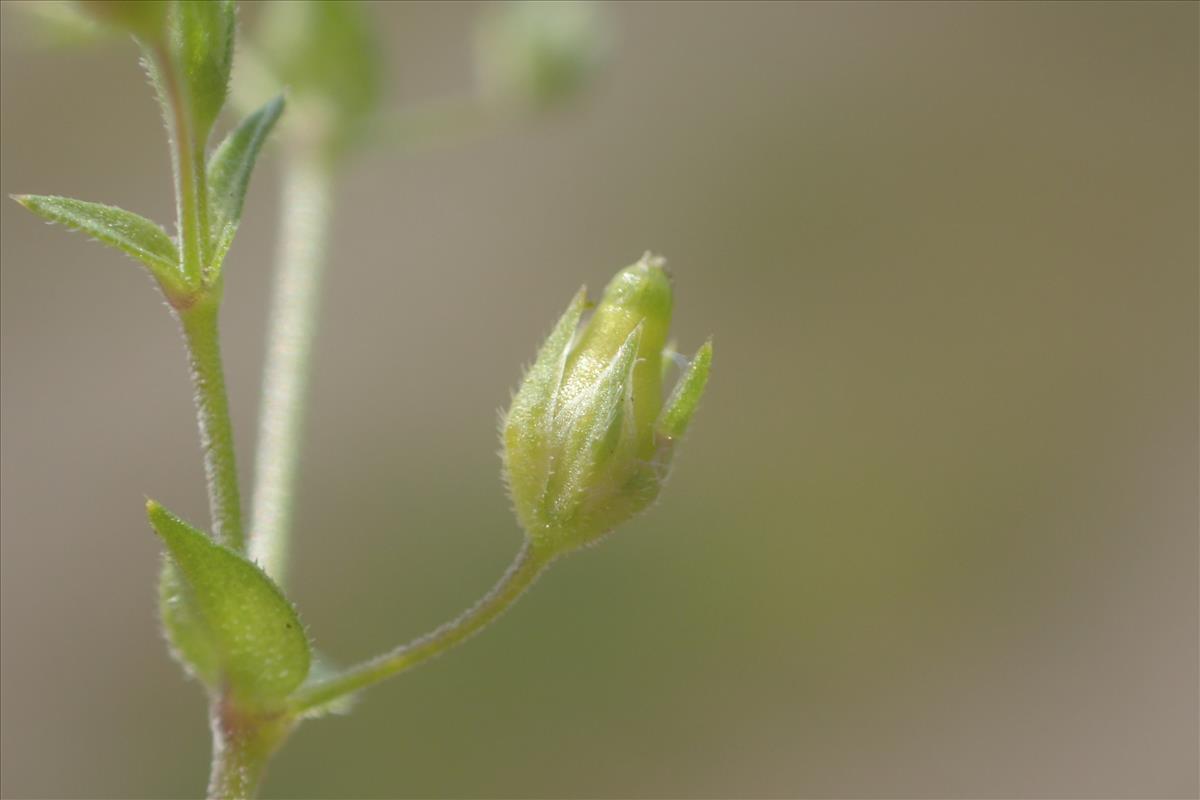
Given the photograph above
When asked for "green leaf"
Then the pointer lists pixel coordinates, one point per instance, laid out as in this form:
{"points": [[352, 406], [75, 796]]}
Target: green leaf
{"points": [[229, 622], [130, 233], [201, 36], [187, 635], [229, 171]]}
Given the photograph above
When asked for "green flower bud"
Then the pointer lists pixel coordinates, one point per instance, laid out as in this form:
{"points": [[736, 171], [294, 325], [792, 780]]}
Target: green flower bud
{"points": [[588, 440], [329, 55], [539, 53]]}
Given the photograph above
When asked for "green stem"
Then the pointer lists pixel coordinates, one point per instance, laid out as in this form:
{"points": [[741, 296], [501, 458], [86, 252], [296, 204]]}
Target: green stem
{"points": [[242, 746], [528, 564], [191, 201], [200, 330], [307, 193]]}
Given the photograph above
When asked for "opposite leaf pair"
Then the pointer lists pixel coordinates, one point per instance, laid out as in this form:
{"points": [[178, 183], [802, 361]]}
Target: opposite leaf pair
{"points": [[228, 176]]}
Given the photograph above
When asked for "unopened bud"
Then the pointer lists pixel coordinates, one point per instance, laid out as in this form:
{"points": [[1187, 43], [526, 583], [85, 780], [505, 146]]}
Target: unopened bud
{"points": [[588, 440], [540, 53]]}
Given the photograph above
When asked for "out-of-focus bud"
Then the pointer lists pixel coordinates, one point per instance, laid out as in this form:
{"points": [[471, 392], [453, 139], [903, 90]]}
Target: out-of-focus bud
{"points": [[588, 440], [539, 53], [145, 19], [328, 55]]}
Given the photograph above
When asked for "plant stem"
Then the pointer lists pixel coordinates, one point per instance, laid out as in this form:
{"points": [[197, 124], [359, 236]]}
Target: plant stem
{"points": [[528, 564], [187, 158], [307, 190], [242, 746], [200, 330]]}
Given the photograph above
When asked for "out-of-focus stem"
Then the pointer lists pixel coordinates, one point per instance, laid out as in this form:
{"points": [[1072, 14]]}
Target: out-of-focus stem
{"points": [[307, 190]]}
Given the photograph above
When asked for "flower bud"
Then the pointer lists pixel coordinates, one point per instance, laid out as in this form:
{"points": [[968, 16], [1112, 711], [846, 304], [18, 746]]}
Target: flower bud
{"points": [[329, 55], [588, 440], [540, 53]]}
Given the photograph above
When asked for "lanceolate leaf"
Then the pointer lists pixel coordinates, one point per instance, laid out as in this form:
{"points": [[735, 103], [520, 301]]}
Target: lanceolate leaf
{"points": [[130, 233], [229, 171], [227, 619]]}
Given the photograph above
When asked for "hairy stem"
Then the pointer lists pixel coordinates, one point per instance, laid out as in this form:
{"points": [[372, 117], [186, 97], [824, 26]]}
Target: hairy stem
{"points": [[242, 746], [187, 158], [199, 323], [306, 208], [528, 564]]}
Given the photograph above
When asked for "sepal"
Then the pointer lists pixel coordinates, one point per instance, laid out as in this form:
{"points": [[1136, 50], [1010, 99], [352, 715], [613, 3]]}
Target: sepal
{"points": [[685, 397]]}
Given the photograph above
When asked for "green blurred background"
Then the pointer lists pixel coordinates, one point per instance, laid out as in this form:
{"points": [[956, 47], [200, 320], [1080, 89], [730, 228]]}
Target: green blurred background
{"points": [[934, 532]]}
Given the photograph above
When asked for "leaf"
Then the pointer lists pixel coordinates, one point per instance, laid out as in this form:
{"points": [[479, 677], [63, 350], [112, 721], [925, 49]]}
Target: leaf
{"points": [[190, 642], [130, 233], [227, 619], [201, 42], [229, 171]]}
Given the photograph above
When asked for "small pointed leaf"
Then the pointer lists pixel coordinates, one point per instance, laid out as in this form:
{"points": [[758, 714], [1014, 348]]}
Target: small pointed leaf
{"points": [[229, 171], [685, 398], [239, 630], [130, 233]]}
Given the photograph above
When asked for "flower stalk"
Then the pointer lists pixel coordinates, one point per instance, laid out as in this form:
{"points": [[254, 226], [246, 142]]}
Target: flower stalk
{"points": [[521, 574]]}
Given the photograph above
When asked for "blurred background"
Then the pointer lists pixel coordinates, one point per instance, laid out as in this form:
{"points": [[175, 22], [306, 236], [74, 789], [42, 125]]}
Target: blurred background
{"points": [[933, 534]]}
